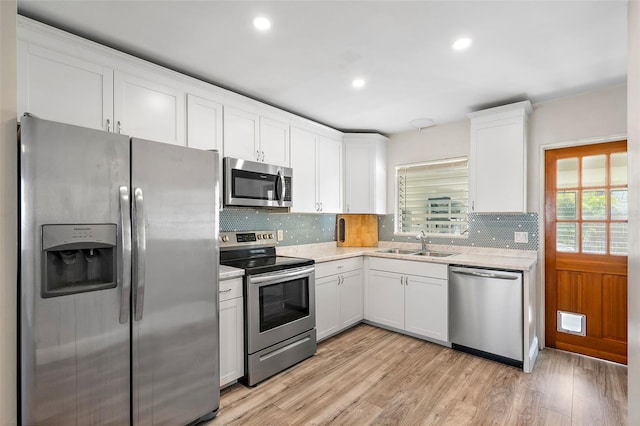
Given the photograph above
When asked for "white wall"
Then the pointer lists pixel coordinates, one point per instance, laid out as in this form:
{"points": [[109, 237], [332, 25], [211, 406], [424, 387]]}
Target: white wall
{"points": [[633, 147], [8, 213], [433, 143]]}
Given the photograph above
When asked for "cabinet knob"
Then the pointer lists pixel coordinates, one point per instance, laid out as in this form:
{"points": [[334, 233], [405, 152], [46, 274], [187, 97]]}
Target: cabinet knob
{"points": [[108, 125], [119, 126]]}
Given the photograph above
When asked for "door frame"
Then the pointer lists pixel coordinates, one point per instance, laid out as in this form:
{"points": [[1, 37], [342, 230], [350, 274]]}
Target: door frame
{"points": [[541, 326]]}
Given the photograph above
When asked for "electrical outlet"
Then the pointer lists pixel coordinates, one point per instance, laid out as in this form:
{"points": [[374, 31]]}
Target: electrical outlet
{"points": [[280, 235], [521, 237]]}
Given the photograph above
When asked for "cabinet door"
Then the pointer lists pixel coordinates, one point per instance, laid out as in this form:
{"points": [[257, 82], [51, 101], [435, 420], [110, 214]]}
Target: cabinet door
{"points": [[204, 124], [274, 142], [351, 298], [385, 299], [359, 176], [303, 162], [61, 88], [241, 130], [327, 306], [329, 175], [148, 110], [231, 341], [499, 167], [426, 304]]}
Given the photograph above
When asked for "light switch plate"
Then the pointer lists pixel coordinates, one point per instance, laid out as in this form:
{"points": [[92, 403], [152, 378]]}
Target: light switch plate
{"points": [[280, 235], [521, 237]]}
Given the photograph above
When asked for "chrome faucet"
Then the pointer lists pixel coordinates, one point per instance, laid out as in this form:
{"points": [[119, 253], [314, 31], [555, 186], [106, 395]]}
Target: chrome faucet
{"points": [[423, 238]]}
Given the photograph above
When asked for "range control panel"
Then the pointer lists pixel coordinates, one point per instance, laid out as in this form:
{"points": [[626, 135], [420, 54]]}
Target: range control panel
{"points": [[247, 239]]}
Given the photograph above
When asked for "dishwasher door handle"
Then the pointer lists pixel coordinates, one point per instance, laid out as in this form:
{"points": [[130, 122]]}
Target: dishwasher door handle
{"points": [[483, 274]]}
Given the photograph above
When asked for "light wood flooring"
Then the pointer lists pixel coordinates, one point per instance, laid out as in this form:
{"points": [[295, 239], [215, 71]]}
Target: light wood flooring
{"points": [[368, 375]]}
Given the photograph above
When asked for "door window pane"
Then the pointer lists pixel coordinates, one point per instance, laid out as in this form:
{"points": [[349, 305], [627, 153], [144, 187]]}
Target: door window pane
{"points": [[594, 238], [566, 206], [618, 168], [619, 238], [594, 171], [619, 204], [567, 173], [594, 204], [566, 237]]}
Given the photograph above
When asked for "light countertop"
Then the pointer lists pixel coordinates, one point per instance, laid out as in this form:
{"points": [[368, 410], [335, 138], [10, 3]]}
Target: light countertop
{"points": [[519, 260], [228, 272]]}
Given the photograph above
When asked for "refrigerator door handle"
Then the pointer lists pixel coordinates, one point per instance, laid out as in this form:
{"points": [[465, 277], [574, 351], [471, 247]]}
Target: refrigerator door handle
{"points": [[139, 226], [124, 254]]}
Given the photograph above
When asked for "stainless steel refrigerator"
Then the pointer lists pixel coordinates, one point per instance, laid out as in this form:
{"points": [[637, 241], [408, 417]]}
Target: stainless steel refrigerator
{"points": [[118, 279]]}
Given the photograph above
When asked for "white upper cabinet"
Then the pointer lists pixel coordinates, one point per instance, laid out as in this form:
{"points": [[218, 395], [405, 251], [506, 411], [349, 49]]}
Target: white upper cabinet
{"points": [[316, 161], [329, 174], [241, 132], [251, 137], [365, 173], [148, 110], [303, 163], [204, 124], [498, 163], [58, 87], [274, 142]]}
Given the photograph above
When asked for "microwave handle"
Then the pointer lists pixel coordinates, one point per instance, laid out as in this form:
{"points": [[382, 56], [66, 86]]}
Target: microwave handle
{"points": [[281, 188]]}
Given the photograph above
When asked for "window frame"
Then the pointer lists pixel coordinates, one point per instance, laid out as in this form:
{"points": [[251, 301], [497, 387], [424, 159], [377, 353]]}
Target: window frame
{"points": [[396, 214]]}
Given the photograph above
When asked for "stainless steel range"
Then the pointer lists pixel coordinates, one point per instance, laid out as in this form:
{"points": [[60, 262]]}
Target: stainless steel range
{"points": [[279, 303]]}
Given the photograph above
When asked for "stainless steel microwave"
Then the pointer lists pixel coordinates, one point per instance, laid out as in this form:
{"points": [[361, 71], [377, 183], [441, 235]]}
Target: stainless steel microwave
{"points": [[248, 183]]}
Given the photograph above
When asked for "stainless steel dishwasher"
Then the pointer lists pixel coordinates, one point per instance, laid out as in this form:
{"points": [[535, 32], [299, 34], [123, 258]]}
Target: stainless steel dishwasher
{"points": [[485, 313]]}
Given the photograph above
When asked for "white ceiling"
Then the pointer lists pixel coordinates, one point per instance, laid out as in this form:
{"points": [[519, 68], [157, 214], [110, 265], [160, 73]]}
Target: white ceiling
{"points": [[535, 50]]}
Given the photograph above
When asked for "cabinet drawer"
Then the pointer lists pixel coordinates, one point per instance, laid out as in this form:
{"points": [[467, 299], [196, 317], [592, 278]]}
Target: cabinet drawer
{"points": [[408, 267], [325, 269], [230, 289]]}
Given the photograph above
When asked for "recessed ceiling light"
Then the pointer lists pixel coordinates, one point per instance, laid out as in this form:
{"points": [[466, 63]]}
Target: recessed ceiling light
{"points": [[461, 43], [262, 23], [358, 82]]}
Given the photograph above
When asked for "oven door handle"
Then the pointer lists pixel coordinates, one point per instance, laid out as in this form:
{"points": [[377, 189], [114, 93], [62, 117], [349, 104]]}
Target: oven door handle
{"points": [[271, 278]]}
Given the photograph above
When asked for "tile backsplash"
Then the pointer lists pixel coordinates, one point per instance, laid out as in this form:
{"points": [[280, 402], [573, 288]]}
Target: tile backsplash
{"points": [[485, 230], [299, 228]]}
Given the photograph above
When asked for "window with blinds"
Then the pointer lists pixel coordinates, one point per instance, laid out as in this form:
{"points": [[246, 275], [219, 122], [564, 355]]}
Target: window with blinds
{"points": [[433, 197]]}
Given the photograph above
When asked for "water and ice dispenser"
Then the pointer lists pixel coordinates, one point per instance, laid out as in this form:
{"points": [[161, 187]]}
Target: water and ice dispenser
{"points": [[78, 258]]}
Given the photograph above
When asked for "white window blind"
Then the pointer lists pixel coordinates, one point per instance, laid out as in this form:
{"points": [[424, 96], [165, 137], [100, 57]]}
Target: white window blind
{"points": [[433, 197]]}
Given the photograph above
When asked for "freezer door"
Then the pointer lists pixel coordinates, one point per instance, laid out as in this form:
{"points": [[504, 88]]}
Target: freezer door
{"points": [[74, 336], [175, 283]]}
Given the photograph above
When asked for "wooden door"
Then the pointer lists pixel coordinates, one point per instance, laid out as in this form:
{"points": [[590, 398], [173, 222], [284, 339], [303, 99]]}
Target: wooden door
{"points": [[586, 250]]}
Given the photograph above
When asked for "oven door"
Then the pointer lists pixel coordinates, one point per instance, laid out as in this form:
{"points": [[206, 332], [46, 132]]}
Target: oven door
{"points": [[280, 305], [247, 183]]}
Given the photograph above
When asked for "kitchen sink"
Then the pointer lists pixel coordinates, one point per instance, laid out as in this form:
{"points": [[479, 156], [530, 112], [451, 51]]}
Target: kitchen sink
{"points": [[434, 254], [398, 251]]}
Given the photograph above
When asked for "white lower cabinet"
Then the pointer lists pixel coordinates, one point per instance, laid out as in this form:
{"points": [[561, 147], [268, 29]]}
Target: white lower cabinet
{"points": [[409, 296], [231, 331], [339, 296]]}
